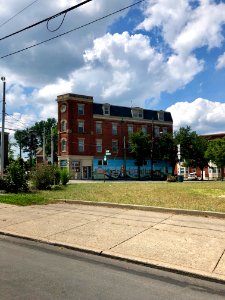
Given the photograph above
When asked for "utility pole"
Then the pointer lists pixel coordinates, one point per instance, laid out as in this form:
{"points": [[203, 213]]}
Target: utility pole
{"points": [[44, 142], [3, 128], [124, 157], [52, 147]]}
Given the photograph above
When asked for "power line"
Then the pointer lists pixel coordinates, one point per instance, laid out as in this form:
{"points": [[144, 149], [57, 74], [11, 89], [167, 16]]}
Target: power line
{"points": [[18, 13], [46, 20], [75, 29]]}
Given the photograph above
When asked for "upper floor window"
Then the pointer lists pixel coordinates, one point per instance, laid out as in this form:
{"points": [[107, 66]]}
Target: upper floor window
{"points": [[114, 128], [99, 127], [164, 130], [98, 145], [161, 115], [144, 129], [106, 109], [80, 109], [137, 113], [63, 145], [130, 129], [63, 125], [114, 146], [80, 126], [156, 132], [81, 145]]}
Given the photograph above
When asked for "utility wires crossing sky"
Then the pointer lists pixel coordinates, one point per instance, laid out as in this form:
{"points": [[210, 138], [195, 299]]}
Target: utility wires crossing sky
{"points": [[74, 29]]}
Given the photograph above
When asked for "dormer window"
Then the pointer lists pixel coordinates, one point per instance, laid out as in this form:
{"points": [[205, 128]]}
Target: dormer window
{"points": [[137, 113], [161, 115], [106, 109]]}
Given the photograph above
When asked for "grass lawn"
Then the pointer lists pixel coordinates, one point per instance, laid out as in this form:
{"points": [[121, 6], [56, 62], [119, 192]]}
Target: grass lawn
{"points": [[208, 196]]}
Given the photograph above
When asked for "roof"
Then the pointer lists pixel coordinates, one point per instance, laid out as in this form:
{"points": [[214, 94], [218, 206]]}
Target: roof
{"points": [[125, 112]]}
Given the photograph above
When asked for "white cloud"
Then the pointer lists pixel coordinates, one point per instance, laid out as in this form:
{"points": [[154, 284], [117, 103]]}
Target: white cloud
{"points": [[221, 62], [186, 28], [204, 116]]}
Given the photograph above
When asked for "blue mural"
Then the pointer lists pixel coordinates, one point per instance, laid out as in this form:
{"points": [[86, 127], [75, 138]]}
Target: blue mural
{"points": [[115, 169]]}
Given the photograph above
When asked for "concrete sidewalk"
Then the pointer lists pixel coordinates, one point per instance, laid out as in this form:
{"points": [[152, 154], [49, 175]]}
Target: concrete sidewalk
{"points": [[191, 244]]}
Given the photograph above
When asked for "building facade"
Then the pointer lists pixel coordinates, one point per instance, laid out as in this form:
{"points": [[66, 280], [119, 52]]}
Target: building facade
{"points": [[93, 138]]}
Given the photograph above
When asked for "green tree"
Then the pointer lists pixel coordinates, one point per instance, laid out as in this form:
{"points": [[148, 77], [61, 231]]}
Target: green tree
{"points": [[216, 153], [168, 149], [20, 137], [185, 137], [140, 148], [199, 160]]}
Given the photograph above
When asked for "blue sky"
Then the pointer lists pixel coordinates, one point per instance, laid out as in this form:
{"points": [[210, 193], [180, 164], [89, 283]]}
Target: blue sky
{"points": [[160, 54]]}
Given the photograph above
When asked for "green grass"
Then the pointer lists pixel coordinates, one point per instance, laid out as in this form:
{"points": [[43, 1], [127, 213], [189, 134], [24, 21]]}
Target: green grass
{"points": [[208, 196]]}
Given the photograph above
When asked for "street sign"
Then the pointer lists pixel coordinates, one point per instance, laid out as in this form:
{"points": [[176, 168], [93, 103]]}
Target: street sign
{"points": [[107, 152]]}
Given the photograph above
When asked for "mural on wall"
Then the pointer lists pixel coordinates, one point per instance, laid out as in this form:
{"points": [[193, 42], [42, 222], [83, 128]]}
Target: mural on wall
{"points": [[115, 169]]}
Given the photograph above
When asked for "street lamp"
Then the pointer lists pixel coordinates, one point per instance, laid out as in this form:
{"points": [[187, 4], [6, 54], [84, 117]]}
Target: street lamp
{"points": [[3, 127]]}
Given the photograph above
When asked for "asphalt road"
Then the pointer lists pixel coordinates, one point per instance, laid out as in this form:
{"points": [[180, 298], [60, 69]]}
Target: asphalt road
{"points": [[31, 270]]}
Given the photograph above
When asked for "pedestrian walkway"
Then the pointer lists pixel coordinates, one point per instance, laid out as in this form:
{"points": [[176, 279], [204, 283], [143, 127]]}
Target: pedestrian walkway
{"points": [[192, 244]]}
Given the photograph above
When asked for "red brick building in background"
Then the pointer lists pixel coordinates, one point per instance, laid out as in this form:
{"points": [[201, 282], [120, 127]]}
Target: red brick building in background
{"points": [[87, 130]]}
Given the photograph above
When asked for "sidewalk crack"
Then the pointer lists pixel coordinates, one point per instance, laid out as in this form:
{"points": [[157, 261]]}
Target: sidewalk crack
{"points": [[219, 260]]}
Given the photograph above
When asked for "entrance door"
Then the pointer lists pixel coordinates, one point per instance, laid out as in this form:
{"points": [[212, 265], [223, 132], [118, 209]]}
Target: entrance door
{"points": [[87, 173]]}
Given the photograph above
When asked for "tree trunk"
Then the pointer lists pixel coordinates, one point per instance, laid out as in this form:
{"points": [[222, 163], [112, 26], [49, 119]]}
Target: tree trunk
{"points": [[139, 173]]}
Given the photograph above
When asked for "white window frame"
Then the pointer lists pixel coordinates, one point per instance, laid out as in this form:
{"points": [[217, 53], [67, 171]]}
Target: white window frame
{"points": [[63, 125], [99, 146], [80, 128], [80, 109], [114, 128], [63, 145], [98, 127], [80, 145]]}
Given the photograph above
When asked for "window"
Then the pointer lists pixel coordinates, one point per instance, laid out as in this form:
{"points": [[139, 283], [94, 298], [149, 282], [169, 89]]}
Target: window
{"points": [[80, 109], [98, 127], [130, 129], [137, 113], [115, 146], [156, 131], [63, 145], [106, 109], [81, 145], [63, 125], [81, 126], [165, 130], [99, 146], [144, 130], [100, 162], [161, 115], [114, 128]]}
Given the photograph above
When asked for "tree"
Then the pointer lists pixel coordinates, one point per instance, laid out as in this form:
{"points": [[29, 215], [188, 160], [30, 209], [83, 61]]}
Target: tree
{"points": [[30, 139], [199, 147], [168, 149], [140, 148], [185, 137], [216, 153]]}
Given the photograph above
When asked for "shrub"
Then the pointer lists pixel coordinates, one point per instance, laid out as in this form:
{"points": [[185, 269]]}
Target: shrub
{"points": [[44, 176], [16, 179], [64, 176], [171, 179]]}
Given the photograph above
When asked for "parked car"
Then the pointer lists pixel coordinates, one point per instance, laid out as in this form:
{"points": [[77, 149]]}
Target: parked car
{"points": [[192, 176]]}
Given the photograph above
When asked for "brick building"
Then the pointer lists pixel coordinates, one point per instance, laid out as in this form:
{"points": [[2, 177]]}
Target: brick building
{"points": [[87, 130]]}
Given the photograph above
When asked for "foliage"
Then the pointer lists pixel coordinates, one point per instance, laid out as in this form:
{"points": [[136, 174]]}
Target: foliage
{"points": [[44, 176], [31, 138], [140, 148], [16, 179], [168, 149], [171, 179], [185, 137], [64, 176], [216, 153]]}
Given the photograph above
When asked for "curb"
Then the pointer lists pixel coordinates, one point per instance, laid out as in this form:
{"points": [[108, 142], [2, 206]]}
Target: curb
{"points": [[121, 258], [147, 208]]}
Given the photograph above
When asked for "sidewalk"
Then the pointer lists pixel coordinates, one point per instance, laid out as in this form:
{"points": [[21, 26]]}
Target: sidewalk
{"points": [[191, 244]]}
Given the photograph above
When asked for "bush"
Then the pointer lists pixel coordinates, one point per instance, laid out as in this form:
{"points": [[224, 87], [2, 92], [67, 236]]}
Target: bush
{"points": [[171, 179], [64, 176], [16, 179], [45, 176]]}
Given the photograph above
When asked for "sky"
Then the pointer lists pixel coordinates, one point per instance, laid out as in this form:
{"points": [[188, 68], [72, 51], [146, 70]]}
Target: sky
{"points": [[157, 54]]}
